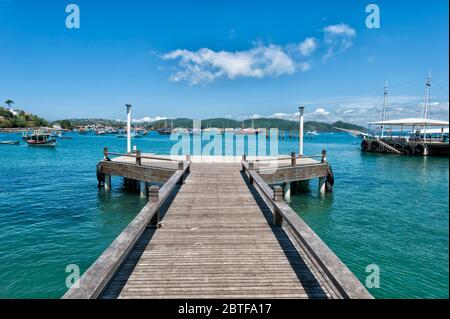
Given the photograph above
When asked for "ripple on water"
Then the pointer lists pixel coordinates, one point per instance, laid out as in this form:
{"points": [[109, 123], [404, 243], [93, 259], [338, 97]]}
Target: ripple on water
{"points": [[387, 210]]}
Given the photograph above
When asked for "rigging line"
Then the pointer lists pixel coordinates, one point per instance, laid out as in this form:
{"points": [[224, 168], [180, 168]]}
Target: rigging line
{"points": [[396, 85], [408, 82], [441, 87]]}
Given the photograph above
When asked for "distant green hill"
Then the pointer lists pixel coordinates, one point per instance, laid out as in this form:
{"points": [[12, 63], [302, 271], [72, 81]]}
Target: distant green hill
{"points": [[92, 121], [20, 119], [259, 123], [348, 126], [224, 123]]}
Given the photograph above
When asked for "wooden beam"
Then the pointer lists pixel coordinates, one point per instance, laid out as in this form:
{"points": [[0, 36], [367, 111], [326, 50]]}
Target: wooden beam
{"points": [[336, 271], [293, 173], [97, 277], [137, 172]]}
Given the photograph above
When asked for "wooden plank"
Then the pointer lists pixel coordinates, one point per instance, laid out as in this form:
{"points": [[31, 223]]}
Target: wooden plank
{"points": [[137, 172], [96, 278], [215, 242], [294, 173], [342, 279]]}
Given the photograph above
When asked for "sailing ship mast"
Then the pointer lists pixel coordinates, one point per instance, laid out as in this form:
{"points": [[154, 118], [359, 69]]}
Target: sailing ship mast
{"points": [[384, 109], [426, 104]]}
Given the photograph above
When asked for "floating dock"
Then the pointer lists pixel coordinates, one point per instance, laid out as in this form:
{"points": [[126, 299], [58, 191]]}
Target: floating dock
{"points": [[216, 227]]}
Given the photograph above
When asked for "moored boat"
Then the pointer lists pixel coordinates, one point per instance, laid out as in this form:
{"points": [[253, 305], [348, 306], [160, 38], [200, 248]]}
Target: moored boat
{"points": [[9, 142], [41, 139], [408, 136]]}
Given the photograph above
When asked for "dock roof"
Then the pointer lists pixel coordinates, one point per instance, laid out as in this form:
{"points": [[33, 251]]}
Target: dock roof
{"points": [[412, 121]]}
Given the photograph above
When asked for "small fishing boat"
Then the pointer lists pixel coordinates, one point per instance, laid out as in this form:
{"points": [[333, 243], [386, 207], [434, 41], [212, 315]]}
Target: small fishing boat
{"points": [[164, 131], [246, 131], [9, 142], [180, 131], [41, 139], [312, 133], [133, 135], [100, 132]]}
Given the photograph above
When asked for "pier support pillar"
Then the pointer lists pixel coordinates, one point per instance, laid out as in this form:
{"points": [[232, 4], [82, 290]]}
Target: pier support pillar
{"points": [[295, 187], [287, 190], [153, 193], [426, 152], [322, 185], [143, 189], [107, 182], [277, 196]]}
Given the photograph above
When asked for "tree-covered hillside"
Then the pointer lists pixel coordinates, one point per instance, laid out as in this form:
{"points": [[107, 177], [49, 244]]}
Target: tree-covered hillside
{"points": [[20, 119]]}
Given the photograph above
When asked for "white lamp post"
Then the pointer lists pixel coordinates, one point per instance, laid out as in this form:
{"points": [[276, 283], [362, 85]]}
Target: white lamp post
{"points": [[128, 127], [301, 110]]}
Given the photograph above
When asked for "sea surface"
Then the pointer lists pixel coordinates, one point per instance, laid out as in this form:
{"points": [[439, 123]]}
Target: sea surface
{"points": [[389, 211]]}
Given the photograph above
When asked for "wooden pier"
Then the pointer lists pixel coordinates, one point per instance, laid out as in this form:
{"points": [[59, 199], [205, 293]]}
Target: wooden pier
{"points": [[419, 137], [402, 146], [216, 228]]}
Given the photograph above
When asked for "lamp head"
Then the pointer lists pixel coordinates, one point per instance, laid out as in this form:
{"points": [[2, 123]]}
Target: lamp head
{"points": [[301, 110]]}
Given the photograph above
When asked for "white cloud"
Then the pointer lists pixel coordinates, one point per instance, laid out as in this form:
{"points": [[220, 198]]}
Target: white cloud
{"points": [[304, 66], [338, 37], [320, 112], [285, 116], [206, 65], [308, 46], [339, 30], [364, 109], [148, 119]]}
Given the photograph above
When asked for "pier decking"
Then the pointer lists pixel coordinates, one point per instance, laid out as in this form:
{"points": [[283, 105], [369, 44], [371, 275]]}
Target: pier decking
{"points": [[217, 230]]}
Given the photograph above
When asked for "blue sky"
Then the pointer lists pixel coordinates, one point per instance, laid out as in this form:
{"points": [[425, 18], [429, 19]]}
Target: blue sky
{"points": [[223, 58]]}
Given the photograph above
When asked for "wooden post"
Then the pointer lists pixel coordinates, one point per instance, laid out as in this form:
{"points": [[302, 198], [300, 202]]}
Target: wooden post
{"points": [[251, 167], [322, 185], [143, 190], [138, 158], [153, 194], [324, 155], [107, 182], [287, 190], [293, 159], [180, 168], [277, 196], [105, 152]]}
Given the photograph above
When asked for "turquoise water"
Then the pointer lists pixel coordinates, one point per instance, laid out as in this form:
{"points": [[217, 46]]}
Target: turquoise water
{"points": [[386, 210]]}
